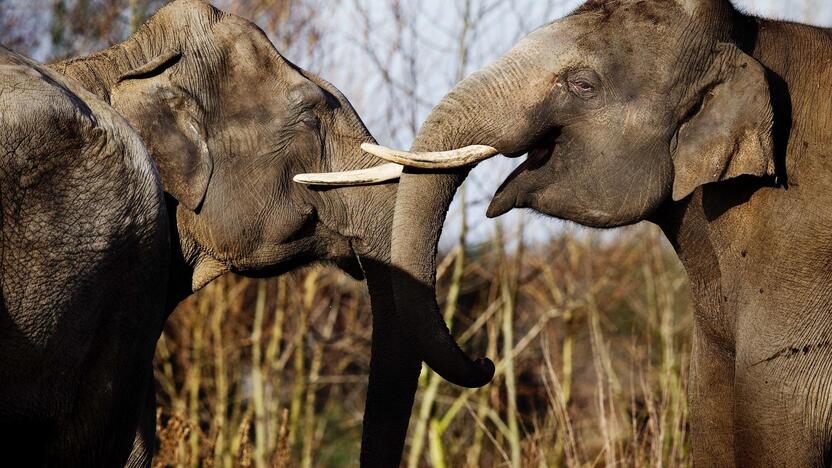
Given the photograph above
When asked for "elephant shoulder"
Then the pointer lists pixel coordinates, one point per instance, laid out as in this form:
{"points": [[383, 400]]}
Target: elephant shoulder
{"points": [[46, 118], [51, 128], [68, 160]]}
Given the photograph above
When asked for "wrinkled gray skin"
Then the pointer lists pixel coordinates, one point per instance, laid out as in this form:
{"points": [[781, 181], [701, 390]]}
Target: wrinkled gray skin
{"points": [[81, 211], [713, 125], [229, 122]]}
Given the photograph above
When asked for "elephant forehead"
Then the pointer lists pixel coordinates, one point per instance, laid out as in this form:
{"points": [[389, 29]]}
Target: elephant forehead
{"points": [[251, 61], [632, 50], [625, 31], [650, 9], [245, 42]]}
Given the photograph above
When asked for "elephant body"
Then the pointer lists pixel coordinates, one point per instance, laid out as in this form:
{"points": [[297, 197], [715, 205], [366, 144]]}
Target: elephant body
{"points": [[759, 259], [716, 126], [84, 243]]}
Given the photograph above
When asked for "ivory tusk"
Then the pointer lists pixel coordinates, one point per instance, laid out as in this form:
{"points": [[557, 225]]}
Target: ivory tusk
{"points": [[461, 157], [373, 175]]}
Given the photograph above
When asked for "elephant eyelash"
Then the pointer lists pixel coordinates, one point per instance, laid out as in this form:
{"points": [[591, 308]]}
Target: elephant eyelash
{"points": [[582, 83], [582, 88]]}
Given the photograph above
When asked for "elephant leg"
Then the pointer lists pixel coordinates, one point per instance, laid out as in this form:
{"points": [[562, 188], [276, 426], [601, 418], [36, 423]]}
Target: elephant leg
{"points": [[784, 405], [144, 443], [711, 396]]}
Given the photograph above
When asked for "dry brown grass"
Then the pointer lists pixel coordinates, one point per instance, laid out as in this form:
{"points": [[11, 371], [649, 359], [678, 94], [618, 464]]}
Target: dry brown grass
{"points": [[589, 336]]}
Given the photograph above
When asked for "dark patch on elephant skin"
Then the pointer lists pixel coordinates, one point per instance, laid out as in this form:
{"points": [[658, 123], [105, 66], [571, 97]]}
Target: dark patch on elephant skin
{"points": [[789, 352]]}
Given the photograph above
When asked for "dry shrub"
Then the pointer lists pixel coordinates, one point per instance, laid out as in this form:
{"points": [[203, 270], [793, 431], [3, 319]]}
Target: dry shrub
{"points": [[589, 334]]}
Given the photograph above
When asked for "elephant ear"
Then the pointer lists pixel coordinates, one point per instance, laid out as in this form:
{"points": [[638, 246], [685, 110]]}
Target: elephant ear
{"points": [[169, 121], [731, 132]]}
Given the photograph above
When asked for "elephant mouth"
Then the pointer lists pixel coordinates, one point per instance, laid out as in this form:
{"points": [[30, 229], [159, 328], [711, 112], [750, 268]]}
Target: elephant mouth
{"points": [[513, 192]]}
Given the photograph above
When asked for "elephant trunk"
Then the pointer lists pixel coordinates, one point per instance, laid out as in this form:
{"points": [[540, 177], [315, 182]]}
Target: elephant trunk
{"points": [[422, 203], [394, 375], [414, 285]]}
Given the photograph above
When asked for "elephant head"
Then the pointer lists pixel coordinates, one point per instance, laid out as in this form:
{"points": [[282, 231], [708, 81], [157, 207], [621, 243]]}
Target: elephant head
{"points": [[621, 106], [230, 124]]}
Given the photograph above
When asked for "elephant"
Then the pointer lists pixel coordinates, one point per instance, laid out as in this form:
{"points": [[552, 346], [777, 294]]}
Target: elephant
{"points": [[81, 212], [712, 124], [243, 140]]}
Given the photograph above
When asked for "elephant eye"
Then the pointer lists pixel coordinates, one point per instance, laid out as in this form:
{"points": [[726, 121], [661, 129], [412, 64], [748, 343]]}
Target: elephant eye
{"points": [[582, 88], [312, 121]]}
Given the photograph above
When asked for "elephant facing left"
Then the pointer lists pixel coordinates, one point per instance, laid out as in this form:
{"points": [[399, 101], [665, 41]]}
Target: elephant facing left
{"points": [[229, 123]]}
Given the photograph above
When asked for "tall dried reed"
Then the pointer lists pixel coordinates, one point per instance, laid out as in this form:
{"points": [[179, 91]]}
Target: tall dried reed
{"points": [[589, 335]]}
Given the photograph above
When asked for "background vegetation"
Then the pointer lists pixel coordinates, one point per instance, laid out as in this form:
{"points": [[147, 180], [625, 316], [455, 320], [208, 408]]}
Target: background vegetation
{"points": [[589, 330], [589, 337]]}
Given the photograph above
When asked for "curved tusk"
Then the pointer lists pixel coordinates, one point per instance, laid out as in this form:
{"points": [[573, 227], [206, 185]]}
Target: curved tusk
{"points": [[373, 175], [461, 157]]}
